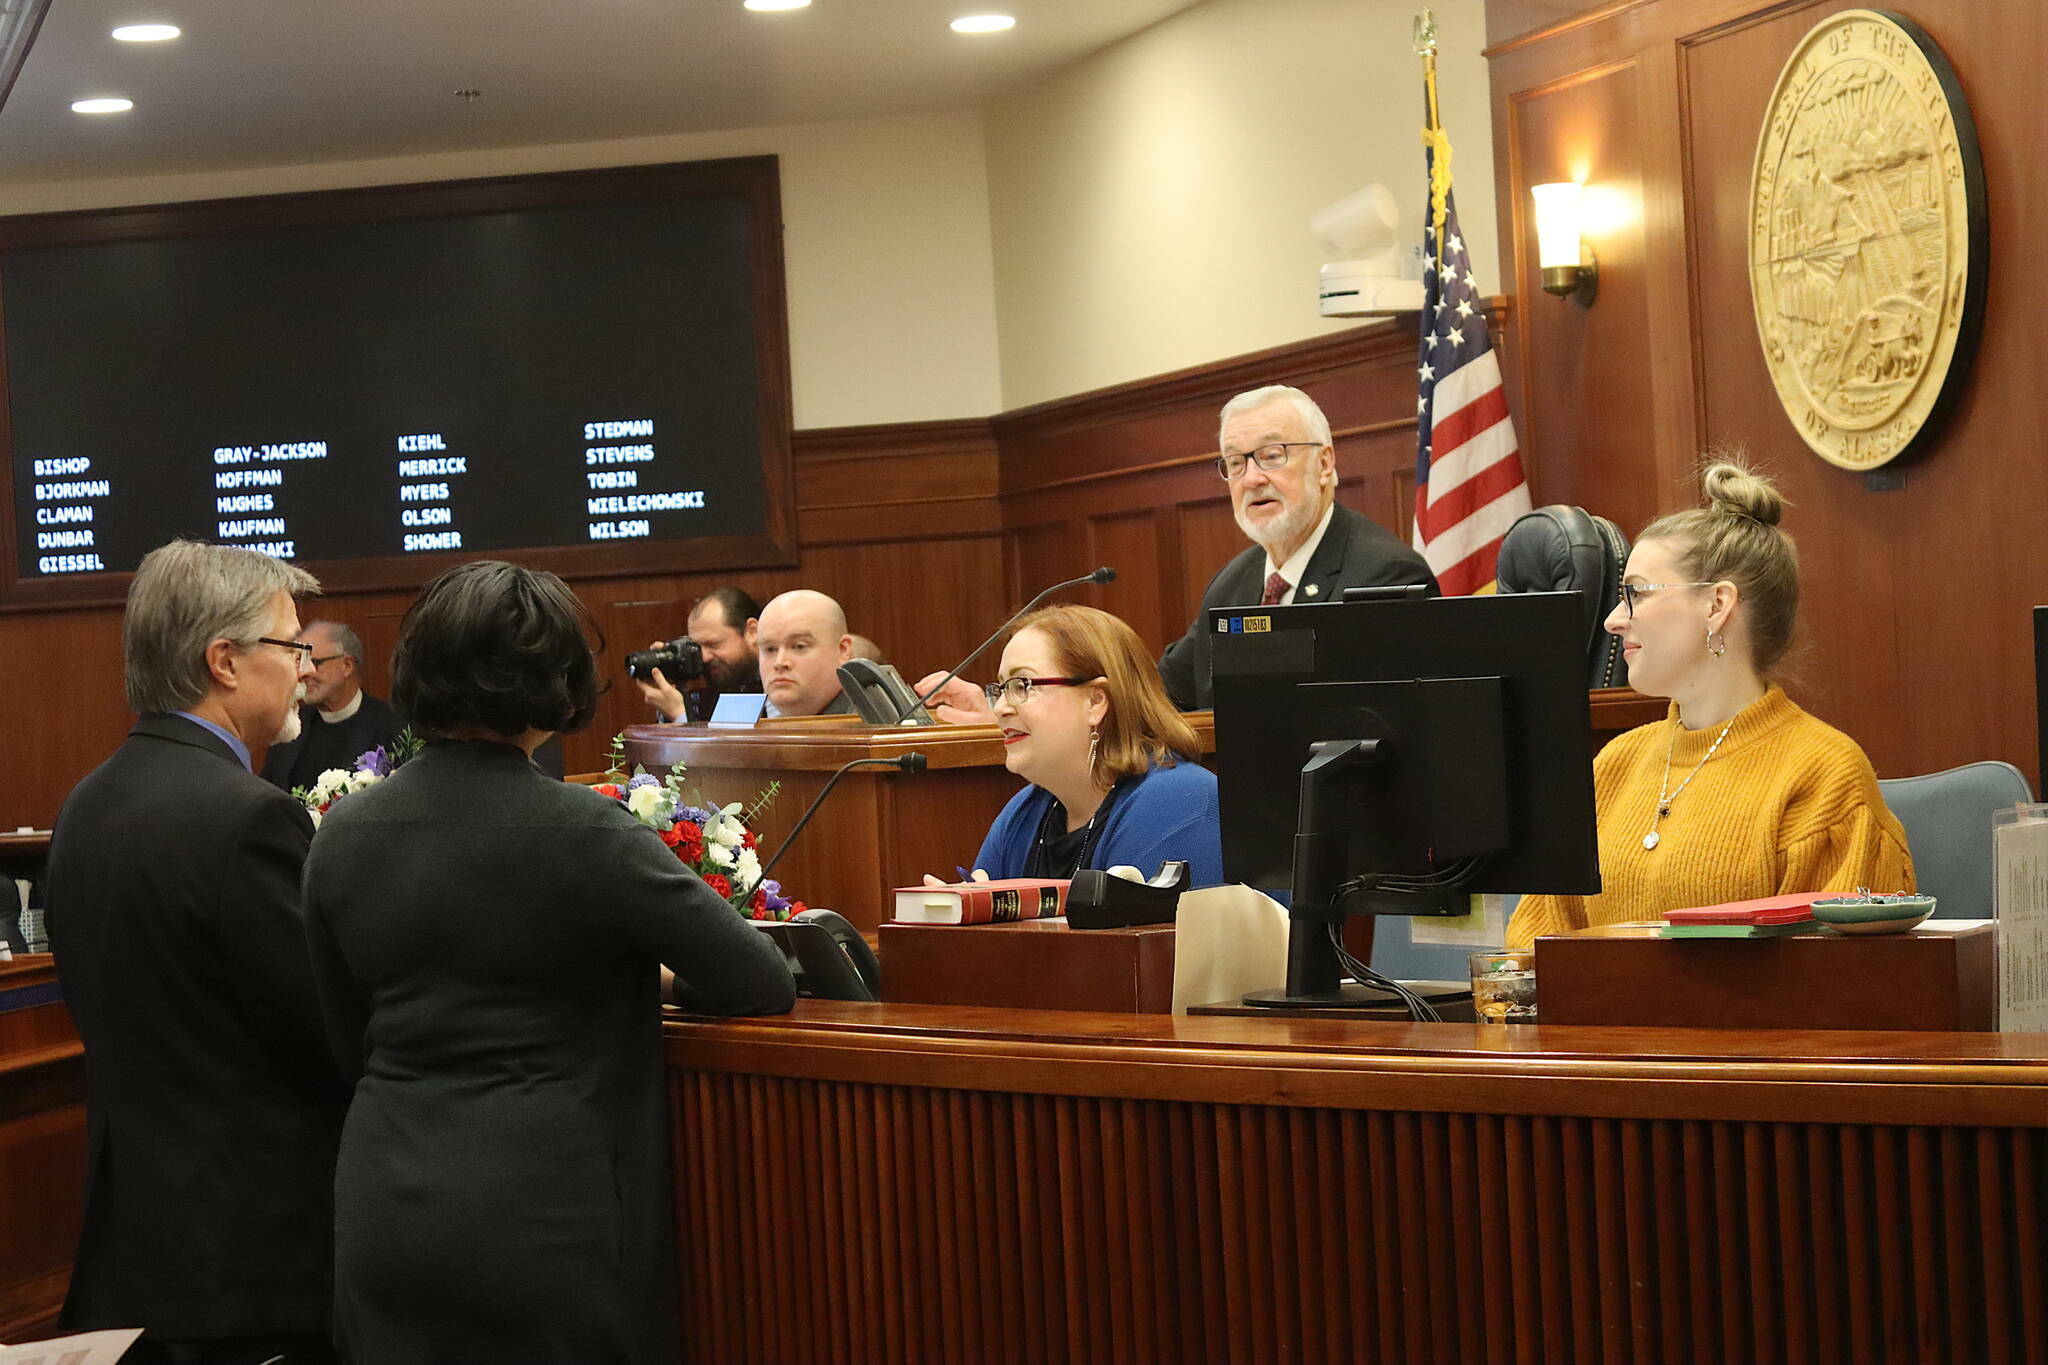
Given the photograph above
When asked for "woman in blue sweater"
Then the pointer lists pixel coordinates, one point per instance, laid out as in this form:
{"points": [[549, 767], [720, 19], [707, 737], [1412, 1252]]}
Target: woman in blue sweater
{"points": [[1086, 722]]}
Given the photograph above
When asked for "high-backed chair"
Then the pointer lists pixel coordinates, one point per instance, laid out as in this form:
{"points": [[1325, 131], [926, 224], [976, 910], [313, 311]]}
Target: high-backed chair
{"points": [[1558, 547], [1947, 816]]}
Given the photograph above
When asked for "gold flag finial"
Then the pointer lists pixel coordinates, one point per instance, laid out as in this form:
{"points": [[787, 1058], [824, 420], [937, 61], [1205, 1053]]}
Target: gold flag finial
{"points": [[1425, 34]]}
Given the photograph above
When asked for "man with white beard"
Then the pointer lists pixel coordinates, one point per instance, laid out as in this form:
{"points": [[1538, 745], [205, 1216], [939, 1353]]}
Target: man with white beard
{"points": [[213, 1105], [1277, 458]]}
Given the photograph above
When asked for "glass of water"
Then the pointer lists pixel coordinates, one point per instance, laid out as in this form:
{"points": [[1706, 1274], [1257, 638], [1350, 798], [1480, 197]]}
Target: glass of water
{"points": [[1504, 986]]}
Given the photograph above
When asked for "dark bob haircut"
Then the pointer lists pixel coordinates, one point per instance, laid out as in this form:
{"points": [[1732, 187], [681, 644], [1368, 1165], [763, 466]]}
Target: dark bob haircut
{"points": [[495, 645]]}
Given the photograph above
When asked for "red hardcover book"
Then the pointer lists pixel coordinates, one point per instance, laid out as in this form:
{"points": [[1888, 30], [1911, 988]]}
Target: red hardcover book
{"points": [[981, 902], [1768, 910]]}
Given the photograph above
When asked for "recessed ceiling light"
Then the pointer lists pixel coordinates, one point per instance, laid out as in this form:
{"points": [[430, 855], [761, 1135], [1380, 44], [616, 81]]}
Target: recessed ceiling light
{"points": [[109, 105], [777, 4], [983, 23], [147, 33]]}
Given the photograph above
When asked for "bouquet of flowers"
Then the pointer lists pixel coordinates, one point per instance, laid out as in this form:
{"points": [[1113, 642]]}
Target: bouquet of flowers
{"points": [[371, 767], [715, 842]]}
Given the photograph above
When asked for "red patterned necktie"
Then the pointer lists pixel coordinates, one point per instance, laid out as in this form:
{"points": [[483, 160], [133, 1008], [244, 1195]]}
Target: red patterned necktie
{"points": [[1276, 588]]}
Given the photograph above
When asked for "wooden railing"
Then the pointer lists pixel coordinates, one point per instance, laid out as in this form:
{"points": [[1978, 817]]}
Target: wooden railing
{"points": [[902, 1183]]}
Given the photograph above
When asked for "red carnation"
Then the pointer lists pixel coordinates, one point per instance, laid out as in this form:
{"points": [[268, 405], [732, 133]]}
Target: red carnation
{"points": [[718, 882], [674, 834], [760, 900], [609, 789], [747, 839]]}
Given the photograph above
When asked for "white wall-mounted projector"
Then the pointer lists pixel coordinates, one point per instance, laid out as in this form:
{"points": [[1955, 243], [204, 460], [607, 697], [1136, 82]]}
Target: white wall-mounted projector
{"points": [[1373, 277]]}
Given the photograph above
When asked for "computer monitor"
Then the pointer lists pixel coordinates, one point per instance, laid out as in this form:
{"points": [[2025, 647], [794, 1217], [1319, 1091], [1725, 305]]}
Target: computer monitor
{"points": [[1396, 756]]}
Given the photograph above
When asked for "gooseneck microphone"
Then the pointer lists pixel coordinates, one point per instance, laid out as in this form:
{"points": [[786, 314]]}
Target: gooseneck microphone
{"points": [[1104, 574], [909, 763]]}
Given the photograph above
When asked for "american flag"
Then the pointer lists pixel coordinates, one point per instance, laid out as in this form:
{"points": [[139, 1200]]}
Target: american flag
{"points": [[1468, 471]]}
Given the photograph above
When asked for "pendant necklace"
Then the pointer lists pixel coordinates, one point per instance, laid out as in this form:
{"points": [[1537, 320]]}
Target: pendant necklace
{"points": [[1665, 796]]}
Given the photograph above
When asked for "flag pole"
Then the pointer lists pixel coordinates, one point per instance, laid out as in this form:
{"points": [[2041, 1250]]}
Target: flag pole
{"points": [[1433, 135]]}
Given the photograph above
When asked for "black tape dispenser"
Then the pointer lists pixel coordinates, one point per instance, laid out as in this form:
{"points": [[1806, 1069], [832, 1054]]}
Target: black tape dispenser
{"points": [[1096, 900]]}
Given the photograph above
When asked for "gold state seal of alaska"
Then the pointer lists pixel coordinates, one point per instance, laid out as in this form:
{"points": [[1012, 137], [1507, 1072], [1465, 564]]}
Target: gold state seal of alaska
{"points": [[1867, 246]]}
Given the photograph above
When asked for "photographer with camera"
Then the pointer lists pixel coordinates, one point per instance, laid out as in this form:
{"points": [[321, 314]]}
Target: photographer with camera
{"points": [[719, 649]]}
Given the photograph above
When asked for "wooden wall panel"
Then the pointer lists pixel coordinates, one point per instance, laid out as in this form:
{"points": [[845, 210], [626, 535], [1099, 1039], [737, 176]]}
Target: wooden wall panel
{"points": [[1130, 542], [1890, 653], [1557, 130]]}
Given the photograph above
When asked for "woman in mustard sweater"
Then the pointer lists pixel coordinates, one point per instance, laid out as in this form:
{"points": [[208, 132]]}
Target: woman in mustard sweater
{"points": [[1738, 793]]}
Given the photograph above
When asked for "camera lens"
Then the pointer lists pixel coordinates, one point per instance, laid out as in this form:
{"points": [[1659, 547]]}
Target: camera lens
{"points": [[679, 661]]}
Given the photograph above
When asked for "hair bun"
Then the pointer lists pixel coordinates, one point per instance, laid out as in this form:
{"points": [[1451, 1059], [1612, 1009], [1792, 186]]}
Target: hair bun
{"points": [[1736, 491]]}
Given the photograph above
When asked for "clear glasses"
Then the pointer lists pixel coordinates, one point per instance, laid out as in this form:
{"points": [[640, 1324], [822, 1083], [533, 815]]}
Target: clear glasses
{"points": [[1269, 457], [1631, 591], [1017, 690], [300, 648]]}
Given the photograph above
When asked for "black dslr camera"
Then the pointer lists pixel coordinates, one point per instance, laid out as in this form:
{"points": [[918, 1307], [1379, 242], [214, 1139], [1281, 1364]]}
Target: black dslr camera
{"points": [[679, 661]]}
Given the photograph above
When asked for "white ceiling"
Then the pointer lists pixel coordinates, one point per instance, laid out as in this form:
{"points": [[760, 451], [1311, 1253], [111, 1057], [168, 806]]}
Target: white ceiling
{"points": [[270, 82]]}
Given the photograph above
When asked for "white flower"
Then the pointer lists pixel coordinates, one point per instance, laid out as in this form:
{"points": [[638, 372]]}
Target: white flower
{"points": [[316, 816], [717, 854], [332, 783], [647, 803], [747, 868], [726, 831]]}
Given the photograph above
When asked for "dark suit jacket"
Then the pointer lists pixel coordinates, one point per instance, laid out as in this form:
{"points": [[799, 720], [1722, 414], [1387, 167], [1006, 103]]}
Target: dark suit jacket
{"points": [[374, 723], [1355, 552], [213, 1105]]}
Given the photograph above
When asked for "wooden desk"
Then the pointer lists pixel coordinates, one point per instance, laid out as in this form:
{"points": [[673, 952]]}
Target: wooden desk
{"points": [[881, 828], [42, 1146], [952, 1184], [886, 828]]}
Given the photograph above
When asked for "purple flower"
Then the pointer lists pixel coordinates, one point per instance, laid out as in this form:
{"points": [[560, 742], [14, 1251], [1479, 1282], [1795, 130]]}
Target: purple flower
{"points": [[643, 780], [778, 904], [374, 760], [695, 815]]}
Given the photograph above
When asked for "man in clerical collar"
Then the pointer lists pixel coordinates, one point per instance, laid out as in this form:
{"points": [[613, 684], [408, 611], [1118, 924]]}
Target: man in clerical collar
{"points": [[339, 721], [1276, 455]]}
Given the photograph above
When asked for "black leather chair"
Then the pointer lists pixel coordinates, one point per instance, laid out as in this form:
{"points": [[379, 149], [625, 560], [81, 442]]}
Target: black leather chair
{"points": [[1558, 547]]}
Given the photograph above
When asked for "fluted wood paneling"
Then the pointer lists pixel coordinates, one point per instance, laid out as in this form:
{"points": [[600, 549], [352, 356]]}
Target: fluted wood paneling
{"points": [[837, 1221]]}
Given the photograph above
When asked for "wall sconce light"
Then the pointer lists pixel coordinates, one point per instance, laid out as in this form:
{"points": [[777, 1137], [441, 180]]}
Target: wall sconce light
{"points": [[1561, 252]]}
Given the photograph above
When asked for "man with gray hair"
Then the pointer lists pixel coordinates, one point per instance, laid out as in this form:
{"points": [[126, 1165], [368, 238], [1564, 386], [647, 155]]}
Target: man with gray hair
{"points": [[1277, 458], [339, 721], [213, 1105], [1276, 455]]}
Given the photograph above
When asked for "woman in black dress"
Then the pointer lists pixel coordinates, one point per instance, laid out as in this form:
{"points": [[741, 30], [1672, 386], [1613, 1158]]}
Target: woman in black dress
{"points": [[489, 946]]}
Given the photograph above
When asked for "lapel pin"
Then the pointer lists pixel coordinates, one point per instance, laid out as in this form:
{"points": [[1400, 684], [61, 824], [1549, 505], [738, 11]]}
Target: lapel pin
{"points": [[1312, 590]]}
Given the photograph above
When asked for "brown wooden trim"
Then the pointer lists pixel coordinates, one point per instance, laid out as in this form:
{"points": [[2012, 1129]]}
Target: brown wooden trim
{"points": [[1595, 15], [937, 502], [1291, 362], [894, 440], [1184, 461], [1776, 1076]]}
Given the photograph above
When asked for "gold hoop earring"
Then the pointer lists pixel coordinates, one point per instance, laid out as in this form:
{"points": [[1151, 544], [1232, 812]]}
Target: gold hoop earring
{"points": [[1717, 645]]}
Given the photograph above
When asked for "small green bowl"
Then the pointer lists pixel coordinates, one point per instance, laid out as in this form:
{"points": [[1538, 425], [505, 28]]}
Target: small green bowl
{"points": [[1861, 915]]}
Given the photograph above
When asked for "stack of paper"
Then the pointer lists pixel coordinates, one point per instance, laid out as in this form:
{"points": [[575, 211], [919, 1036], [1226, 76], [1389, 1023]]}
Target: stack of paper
{"points": [[1765, 918]]}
